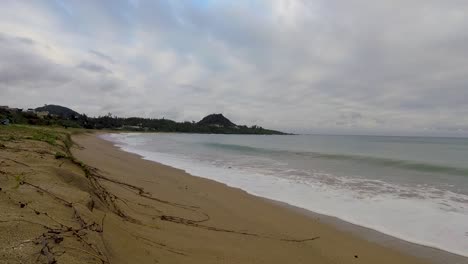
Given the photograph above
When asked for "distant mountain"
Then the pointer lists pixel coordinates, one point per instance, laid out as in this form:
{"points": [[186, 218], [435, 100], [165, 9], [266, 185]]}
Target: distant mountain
{"points": [[216, 120], [58, 111], [63, 116]]}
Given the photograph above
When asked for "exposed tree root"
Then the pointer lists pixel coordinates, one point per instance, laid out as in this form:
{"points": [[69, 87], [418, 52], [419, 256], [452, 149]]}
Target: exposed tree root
{"points": [[94, 174], [38, 151], [179, 220], [46, 251], [29, 222], [300, 240], [161, 245], [87, 252], [15, 161], [140, 191], [65, 202]]}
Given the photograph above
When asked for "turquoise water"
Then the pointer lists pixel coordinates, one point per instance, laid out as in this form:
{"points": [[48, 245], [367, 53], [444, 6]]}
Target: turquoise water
{"points": [[414, 188]]}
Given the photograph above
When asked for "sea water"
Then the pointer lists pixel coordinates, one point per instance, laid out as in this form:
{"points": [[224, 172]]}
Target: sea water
{"points": [[412, 188]]}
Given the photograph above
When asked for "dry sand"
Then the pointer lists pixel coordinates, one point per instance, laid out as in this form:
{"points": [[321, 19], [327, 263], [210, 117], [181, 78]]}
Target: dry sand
{"points": [[123, 209]]}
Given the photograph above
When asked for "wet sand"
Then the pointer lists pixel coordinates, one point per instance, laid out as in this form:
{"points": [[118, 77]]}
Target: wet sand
{"points": [[432, 255], [209, 222]]}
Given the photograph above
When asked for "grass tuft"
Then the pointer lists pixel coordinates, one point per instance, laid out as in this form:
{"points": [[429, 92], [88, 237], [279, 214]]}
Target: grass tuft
{"points": [[19, 181]]}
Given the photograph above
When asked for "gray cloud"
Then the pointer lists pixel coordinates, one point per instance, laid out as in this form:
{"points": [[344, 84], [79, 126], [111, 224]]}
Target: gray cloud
{"points": [[15, 40], [27, 41], [92, 67], [356, 66], [22, 67], [102, 56]]}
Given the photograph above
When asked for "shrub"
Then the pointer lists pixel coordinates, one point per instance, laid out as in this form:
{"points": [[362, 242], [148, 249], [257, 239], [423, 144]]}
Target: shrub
{"points": [[60, 155]]}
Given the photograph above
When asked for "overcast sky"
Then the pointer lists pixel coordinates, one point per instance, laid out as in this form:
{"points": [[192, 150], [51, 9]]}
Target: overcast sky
{"points": [[318, 66]]}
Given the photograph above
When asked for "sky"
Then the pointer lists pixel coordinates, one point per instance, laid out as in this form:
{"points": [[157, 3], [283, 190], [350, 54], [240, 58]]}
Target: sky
{"points": [[311, 66]]}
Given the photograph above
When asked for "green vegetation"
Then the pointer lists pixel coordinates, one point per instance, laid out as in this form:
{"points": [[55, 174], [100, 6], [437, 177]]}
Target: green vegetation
{"points": [[19, 181], [60, 155], [58, 137], [216, 120], [52, 135], [45, 136], [67, 118], [58, 111]]}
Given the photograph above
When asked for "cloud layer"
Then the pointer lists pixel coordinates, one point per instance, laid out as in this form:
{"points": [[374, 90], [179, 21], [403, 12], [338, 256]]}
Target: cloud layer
{"points": [[320, 66]]}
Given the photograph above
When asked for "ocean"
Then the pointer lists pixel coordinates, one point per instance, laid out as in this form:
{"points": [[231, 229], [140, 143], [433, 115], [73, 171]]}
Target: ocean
{"points": [[412, 188]]}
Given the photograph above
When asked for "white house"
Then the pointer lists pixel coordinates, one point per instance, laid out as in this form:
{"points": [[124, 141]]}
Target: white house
{"points": [[42, 114]]}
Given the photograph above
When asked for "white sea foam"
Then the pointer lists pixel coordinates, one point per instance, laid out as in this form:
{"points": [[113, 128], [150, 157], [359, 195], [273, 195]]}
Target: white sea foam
{"points": [[420, 214]]}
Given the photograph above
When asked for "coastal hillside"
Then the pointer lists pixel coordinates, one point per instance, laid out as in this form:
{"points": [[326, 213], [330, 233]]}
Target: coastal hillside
{"points": [[56, 115], [216, 120], [58, 110]]}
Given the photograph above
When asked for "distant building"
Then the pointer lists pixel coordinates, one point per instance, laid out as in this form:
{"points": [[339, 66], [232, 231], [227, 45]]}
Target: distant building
{"points": [[11, 109], [42, 114], [131, 127], [31, 110]]}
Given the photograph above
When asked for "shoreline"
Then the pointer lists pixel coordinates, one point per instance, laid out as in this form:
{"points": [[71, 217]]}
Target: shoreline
{"points": [[271, 233], [92, 202], [431, 254]]}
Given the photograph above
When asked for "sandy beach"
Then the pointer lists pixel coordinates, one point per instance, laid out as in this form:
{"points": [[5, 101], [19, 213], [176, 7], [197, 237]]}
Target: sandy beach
{"points": [[258, 131], [109, 206]]}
